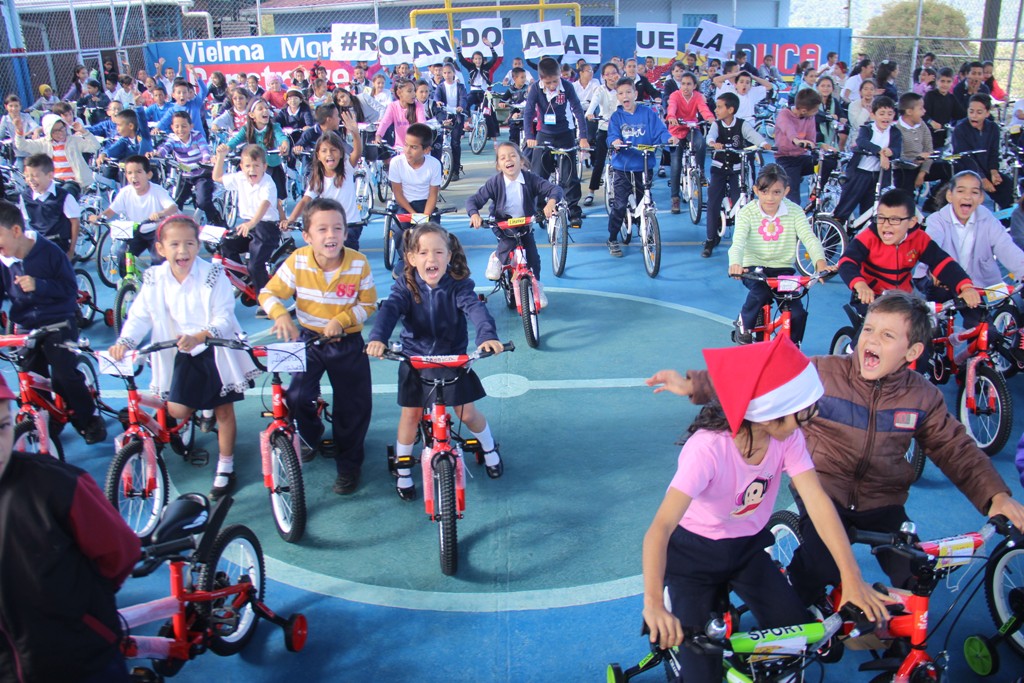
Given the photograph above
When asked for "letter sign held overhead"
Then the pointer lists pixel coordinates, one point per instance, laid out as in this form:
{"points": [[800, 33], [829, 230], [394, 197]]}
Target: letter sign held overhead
{"points": [[714, 40], [353, 42], [542, 38], [656, 40], [474, 31], [581, 42]]}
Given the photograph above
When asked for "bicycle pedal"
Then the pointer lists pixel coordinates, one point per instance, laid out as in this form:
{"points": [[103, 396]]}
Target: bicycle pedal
{"points": [[224, 621], [198, 457], [327, 449]]}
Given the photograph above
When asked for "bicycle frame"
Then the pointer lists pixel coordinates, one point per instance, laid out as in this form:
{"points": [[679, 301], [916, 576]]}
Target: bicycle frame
{"points": [[977, 350], [517, 268]]}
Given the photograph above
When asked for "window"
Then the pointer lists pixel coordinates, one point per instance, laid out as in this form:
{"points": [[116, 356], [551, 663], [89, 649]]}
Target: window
{"points": [[695, 19]]}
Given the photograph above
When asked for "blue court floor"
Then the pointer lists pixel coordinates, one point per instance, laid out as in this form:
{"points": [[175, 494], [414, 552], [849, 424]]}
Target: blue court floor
{"points": [[549, 582]]}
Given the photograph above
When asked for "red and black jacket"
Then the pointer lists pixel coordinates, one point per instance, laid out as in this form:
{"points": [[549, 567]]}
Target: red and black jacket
{"points": [[883, 267], [64, 552]]}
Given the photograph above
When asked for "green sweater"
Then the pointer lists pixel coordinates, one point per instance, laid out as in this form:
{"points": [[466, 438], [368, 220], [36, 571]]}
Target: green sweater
{"points": [[757, 241]]}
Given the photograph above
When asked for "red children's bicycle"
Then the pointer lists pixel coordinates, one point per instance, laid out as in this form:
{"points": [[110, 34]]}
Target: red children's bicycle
{"points": [[518, 281], [444, 483], [42, 414], [216, 591], [785, 290], [238, 273]]}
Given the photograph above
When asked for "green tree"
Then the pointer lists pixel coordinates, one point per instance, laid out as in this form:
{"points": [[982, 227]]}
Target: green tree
{"points": [[900, 19]]}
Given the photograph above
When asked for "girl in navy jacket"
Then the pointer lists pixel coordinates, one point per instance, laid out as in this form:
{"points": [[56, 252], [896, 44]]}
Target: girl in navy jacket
{"points": [[433, 300], [532, 187]]}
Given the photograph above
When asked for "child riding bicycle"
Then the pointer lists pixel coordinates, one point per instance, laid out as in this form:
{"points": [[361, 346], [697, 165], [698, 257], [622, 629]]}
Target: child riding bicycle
{"points": [[515, 193]]}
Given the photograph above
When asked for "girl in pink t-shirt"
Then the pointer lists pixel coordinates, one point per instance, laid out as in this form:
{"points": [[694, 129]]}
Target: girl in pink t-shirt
{"points": [[709, 534]]}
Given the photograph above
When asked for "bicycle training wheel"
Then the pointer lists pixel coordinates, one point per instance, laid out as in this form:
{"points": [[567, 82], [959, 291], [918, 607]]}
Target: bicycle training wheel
{"points": [[447, 516], [26, 438], [1004, 589], [106, 260], [626, 228], [528, 311], [390, 240], [287, 493], [1007, 322], [508, 288], [785, 528], [833, 238], [842, 342], [560, 242], [446, 169], [990, 421], [236, 556], [651, 237], [138, 491], [479, 139], [126, 293], [364, 197], [86, 298], [696, 198]]}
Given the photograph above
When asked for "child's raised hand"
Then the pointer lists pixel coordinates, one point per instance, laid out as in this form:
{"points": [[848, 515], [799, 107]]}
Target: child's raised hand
{"points": [[222, 150], [670, 380], [494, 346], [284, 329], [665, 627], [117, 351], [375, 349], [475, 221]]}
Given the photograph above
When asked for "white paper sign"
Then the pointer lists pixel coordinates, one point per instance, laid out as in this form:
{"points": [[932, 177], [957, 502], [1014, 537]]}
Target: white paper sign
{"points": [[286, 357], [473, 33], [394, 46], [714, 40], [212, 234], [656, 40], [122, 230], [581, 42], [542, 38], [430, 48], [118, 368], [353, 42]]}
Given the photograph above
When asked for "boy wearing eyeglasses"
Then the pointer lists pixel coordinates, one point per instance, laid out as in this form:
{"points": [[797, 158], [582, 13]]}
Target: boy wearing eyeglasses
{"points": [[883, 256]]}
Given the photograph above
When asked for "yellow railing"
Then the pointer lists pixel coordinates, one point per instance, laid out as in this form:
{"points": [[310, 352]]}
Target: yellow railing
{"points": [[450, 11]]}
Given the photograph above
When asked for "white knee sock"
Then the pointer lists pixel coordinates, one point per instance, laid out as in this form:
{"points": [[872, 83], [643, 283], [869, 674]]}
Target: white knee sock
{"points": [[225, 466], [404, 473], [486, 439]]}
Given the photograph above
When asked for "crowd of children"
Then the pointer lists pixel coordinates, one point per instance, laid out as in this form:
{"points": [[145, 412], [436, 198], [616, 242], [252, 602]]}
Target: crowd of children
{"points": [[709, 531]]}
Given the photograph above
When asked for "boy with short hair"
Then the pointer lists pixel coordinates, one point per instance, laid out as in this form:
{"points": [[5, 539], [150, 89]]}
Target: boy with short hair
{"points": [[160, 106], [36, 276], [877, 137], [796, 134], [515, 94], [453, 97], [727, 133], [415, 180], [973, 85], [630, 125], [882, 257], [349, 299], [95, 100], [186, 99], [979, 132], [562, 124], [741, 82], [941, 108], [107, 128], [15, 120], [860, 462], [259, 232], [139, 201], [50, 210], [188, 146], [917, 148]]}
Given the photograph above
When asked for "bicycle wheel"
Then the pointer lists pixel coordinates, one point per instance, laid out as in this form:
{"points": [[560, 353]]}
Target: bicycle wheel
{"points": [[230, 212], [1004, 586], [529, 312], [390, 241], [785, 528], [26, 438], [447, 516], [560, 242], [915, 456], [288, 493], [126, 293], [92, 381], [139, 494], [1007, 322], [833, 240], [236, 556], [479, 139], [696, 198], [842, 342], [609, 187], [446, 169], [626, 229], [364, 197], [383, 184], [990, 421], [85, 246], [86, 298], [508, 289], [106, 260], [651, 237]]}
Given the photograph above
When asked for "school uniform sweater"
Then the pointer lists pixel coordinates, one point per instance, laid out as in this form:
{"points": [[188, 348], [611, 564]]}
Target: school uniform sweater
{"points": [[350, 297], [917, 141], [56, 294]]}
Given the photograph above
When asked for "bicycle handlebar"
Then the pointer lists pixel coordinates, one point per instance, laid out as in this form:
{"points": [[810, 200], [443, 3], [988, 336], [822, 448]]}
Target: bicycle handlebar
{"points": [[29, 339], [260, 351], [758, 275], [557, 150], [454, 361]]}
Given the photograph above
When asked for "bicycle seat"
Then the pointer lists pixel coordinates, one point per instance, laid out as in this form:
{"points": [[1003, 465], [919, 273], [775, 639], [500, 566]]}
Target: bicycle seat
{"points": [[186, 516]]}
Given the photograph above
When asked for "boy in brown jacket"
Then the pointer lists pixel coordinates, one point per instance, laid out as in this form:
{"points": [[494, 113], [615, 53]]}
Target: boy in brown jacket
{"points": [[874, 406]]}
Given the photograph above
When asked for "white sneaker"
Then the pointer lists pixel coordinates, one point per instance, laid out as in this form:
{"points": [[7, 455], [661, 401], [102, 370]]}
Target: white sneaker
{"points": [[493, 271], [542, 296]]}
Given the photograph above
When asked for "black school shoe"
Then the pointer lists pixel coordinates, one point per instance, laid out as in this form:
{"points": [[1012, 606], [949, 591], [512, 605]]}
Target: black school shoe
{"points": [[406, 493], [346, 483], [94, 431], [219, 491], [495, 471]]}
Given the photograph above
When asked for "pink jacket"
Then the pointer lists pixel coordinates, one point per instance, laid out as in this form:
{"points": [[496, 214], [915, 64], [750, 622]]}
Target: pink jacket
{"points": [[394, 115]]}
